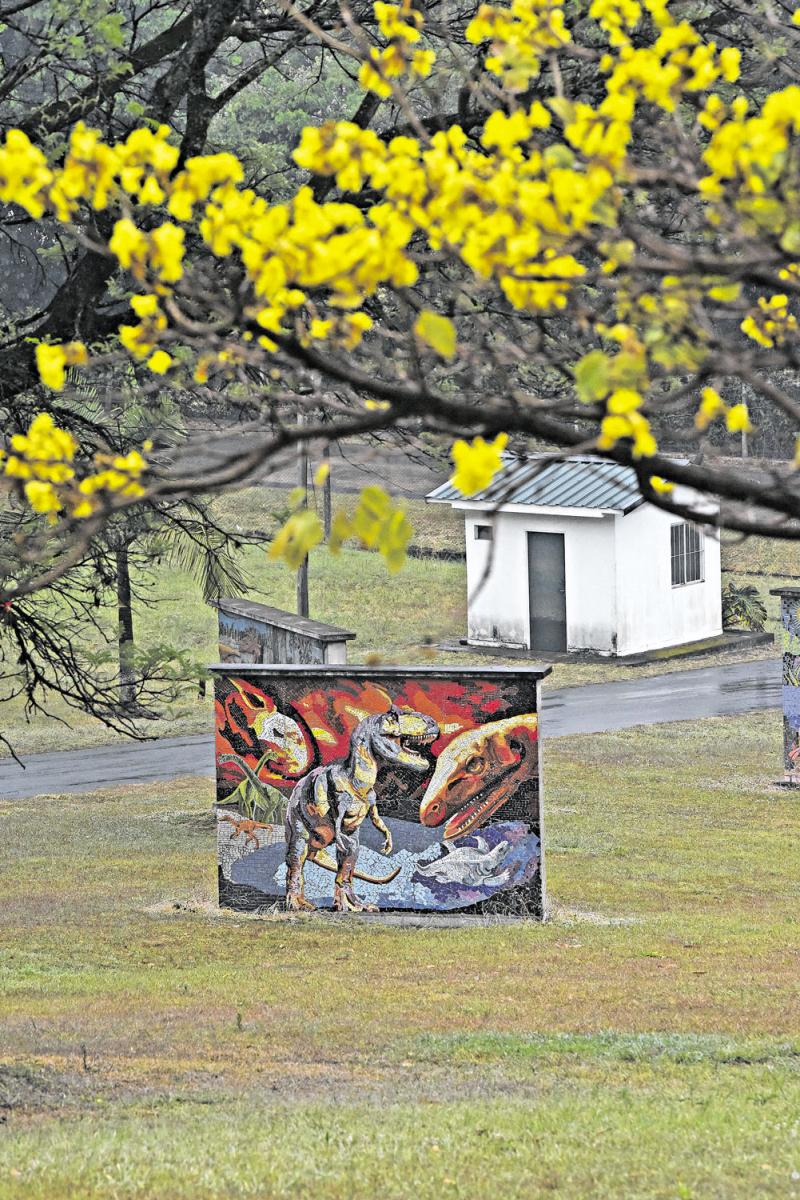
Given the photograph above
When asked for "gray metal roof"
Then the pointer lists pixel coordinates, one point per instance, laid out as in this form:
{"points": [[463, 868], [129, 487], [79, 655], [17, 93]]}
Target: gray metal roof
{"points": [[582, 482], [255, 611]]}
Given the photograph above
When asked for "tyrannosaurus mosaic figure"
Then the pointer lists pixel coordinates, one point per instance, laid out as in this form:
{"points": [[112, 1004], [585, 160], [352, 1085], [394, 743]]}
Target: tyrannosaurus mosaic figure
{"points": [[329, 805], [477, 772]]}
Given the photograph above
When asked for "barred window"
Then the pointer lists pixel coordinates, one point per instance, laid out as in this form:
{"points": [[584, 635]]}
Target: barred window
{"points": [[687, 554]]}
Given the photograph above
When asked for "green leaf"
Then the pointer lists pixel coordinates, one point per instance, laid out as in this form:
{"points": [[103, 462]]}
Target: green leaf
{"points": [[378, 524], [728, 292], [790, 242], [593, 376], [300, 534], [436, 331]]}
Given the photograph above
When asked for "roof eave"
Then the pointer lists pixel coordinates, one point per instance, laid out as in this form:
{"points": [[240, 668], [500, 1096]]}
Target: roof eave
{"points": [[547, 510]]}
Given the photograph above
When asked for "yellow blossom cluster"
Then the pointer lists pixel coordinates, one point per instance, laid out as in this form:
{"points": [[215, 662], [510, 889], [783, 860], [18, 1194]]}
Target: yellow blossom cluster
{"points": [[679, 61], [286, 249], [772, 322], [520, 202], [291, 248], [509, 215], [619, 379], [140, 168], [601, 133], [712, 406], [753, 162], [140, 340], [160, 251], [24, 174], [666, 318], [376, 523], [43, 461], [400, 24], [624, 420], [52, 362], [346, 329], [520, 35], [514, 211], [92, 170], [617, 18], [476, 463]]}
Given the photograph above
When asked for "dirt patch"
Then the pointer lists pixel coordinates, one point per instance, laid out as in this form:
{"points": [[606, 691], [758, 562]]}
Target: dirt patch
{"points": [[27, 1088]]}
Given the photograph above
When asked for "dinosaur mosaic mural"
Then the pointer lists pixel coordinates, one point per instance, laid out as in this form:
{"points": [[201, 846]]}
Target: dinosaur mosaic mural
{"points": [[359, 789], [790, 631]]}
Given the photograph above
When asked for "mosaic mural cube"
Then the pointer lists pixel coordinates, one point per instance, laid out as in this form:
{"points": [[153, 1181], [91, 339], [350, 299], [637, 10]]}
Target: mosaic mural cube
{"points": [[360, 789], [790, 637]]}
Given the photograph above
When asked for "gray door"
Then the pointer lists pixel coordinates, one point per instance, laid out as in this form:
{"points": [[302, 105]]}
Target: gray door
{"points": [[548, 593]]}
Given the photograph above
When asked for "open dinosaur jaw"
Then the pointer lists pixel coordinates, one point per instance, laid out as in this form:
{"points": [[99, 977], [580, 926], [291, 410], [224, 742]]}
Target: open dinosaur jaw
{"points": [[410, 743], [473, 815]]}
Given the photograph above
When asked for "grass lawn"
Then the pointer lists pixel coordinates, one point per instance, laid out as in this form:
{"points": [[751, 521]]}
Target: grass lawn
{"points": [[397, 618], [644, 1043]]}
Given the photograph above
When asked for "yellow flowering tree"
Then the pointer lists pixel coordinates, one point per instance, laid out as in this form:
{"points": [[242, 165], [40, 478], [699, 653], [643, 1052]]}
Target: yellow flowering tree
{"points": [[570, 223]]}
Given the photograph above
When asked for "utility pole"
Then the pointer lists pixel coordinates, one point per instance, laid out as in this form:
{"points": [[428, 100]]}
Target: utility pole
{"points": [[326, 492], [302, 570]]}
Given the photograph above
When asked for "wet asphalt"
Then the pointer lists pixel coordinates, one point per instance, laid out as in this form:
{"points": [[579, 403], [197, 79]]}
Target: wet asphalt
{"points": [[595, 708]]}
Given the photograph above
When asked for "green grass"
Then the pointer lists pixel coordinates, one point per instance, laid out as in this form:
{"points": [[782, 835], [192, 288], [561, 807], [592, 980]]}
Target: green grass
{"points": [[639, 1138], [644, 1043], [436, 526], [397, 619]]}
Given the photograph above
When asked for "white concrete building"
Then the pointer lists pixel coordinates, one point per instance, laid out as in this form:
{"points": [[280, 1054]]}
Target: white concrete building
{"points": [[568, 556]]}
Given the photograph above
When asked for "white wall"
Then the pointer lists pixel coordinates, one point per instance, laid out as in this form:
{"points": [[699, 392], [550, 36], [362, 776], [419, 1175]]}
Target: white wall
{"points": [[619, 593], [500, 610], [651, 613]]}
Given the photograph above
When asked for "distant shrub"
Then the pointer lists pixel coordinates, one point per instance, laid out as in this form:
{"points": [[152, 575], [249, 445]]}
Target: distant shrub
{"points": [[743, 608]]}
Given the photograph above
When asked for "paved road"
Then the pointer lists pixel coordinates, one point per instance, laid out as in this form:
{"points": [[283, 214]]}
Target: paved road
{"points": [[596, 708]]}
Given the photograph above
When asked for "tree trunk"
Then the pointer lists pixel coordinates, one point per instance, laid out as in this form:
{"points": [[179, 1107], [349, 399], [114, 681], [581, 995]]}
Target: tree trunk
{"points": [[127, 690]]}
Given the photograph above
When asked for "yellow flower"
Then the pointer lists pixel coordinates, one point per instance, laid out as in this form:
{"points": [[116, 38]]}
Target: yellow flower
{"points": [[52, 362], [505, 132], [159, 362], [354, 326], [167, 252], [711, 406], [128, 243], [24, 174], [42, 497], [137, 340], [738, 419], [43, 458], [145, 306], [476, 463], [151, 191], [623, 401], [422, 63], [612, 430], [750, 326]]}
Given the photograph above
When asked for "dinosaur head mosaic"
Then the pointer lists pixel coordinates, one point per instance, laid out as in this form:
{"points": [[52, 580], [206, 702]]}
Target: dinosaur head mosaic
{"points": [[355, 789]]}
